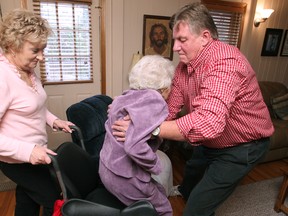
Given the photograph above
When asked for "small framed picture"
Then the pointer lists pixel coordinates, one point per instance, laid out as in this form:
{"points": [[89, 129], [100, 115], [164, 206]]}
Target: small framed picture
{"points": [[157, 36], [284, 49], [271, 42], [0, 13]]}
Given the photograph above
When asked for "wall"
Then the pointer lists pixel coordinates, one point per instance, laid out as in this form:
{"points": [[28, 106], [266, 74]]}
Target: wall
{"points": [[9, 5], [124, 35], [125, 29], [266, 68]]}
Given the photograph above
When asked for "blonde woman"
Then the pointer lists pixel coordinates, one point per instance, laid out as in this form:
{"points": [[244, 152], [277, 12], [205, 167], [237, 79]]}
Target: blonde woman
{"points": [[23, 115]]}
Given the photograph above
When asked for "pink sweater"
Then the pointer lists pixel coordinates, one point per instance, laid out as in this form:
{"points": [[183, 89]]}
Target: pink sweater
{"points": [[23, 115]]}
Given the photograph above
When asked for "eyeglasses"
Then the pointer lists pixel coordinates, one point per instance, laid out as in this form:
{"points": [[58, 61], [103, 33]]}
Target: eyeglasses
{"points": [[161, 91]]}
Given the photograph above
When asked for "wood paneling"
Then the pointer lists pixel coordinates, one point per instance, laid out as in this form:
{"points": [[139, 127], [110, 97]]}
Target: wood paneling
{"points": [[270, 68]]}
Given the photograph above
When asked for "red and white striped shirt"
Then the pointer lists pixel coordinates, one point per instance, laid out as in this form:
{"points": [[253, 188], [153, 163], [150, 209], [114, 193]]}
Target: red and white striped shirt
{"points": [[221, 95]]}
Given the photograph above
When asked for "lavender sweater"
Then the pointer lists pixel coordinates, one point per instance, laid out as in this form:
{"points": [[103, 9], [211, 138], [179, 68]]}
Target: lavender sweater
{"points": [[135, 157]]}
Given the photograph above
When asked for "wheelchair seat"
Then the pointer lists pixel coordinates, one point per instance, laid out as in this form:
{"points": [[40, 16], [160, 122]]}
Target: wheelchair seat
{"points": [[77, 175], [86, 208]]}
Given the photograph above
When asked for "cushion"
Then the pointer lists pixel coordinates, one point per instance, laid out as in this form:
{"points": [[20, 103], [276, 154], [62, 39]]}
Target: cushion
{"points": [[90, 115], [280, 106], [165, 178]]}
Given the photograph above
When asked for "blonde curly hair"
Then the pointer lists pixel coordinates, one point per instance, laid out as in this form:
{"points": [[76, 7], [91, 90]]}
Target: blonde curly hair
{"points": [[22, 25]]}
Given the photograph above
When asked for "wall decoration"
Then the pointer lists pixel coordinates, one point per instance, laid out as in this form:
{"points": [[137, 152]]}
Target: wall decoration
{"points": [[284, 49], [271, 42], [0, 13], [157, 36]]}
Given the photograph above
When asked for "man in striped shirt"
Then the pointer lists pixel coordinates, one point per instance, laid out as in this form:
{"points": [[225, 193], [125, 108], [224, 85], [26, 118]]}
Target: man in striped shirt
{"points": [[228, 123]]}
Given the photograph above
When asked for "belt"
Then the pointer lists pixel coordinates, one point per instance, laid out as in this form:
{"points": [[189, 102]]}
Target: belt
{"points": [[256, 141], [246, 144]]}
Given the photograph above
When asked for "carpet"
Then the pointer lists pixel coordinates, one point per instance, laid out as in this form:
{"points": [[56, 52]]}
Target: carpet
{"points": [[6, 183], [256, 199]]}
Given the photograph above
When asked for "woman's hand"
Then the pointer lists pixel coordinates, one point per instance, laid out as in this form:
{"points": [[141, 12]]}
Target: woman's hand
{"points": [[40, 155], [59, 124], [120, 127]]}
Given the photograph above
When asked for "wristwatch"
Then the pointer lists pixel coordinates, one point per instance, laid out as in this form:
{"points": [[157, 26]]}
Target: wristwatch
{"points": [[156, 132]]}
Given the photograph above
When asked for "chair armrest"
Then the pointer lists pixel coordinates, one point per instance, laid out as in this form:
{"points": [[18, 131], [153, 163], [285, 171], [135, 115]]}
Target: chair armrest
{"points": [[80, 135], [79, 207], [140, 208]]}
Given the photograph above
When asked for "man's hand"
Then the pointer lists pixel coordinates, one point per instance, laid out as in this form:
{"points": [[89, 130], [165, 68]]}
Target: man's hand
{"points": [[120, 127]]}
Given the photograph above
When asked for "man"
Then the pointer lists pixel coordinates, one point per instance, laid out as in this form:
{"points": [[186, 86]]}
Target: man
{"points": [[158, 41], [227, 124]]}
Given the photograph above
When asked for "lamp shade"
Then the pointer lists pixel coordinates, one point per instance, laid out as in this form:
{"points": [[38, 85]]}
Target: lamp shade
{"points": [[266, 13], [135, 58]]}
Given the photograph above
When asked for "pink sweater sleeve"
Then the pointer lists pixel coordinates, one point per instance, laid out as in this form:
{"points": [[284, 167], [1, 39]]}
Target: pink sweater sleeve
{"points": [[50, 118]]}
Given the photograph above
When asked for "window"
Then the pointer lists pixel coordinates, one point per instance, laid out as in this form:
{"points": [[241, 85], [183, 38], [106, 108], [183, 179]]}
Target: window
{"points": [[229, 19], [68, 55]]}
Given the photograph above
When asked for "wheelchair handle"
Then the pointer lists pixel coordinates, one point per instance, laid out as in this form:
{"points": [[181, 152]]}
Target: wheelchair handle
{"points": [[80, 135], [59, 176]]}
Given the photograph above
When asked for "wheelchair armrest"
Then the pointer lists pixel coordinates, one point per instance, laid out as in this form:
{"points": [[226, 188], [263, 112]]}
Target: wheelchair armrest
{"points": [[78, 207], [139, 208], [80, 135]]}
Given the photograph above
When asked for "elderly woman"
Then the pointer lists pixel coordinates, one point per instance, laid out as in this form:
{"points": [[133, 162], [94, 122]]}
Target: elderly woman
{"points": [[23, 115], [126, 167]]}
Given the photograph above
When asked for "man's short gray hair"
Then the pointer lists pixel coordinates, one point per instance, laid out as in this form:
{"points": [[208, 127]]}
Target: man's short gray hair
{"points": [[152, 72], [197, 16]]}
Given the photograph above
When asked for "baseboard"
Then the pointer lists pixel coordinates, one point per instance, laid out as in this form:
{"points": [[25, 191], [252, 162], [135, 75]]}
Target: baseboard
{"points": [[5, 183]]}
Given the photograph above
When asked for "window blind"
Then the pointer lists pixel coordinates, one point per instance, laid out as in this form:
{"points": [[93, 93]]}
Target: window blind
{"points": [[229, 19], [68, 55]]}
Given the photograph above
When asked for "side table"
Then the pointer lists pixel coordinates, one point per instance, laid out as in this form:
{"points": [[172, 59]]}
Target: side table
{"points": [[279, 204]]}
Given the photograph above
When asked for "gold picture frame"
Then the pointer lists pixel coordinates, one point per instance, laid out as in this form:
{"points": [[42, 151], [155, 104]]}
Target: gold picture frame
{"points": [[157, 36]]}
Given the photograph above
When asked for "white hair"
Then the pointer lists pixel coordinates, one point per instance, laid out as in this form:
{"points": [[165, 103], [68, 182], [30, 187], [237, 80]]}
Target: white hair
{"points": [[152, 72]]}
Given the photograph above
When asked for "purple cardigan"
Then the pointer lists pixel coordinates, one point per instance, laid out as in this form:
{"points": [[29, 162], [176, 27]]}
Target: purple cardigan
{"points": [[135, 157]]}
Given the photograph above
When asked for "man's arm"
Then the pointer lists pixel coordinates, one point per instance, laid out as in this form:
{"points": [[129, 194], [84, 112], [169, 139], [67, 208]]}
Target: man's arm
{"points": [[168, 130]]}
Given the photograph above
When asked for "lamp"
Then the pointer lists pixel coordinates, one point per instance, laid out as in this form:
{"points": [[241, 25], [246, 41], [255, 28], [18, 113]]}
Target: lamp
{"points": [[263, 15], [136, 57]]}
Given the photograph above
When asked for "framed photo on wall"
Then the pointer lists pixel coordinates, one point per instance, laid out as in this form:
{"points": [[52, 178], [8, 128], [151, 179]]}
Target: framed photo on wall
{"points": [[0, 13], [271, 42], [284, 49], [157, 36]]}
